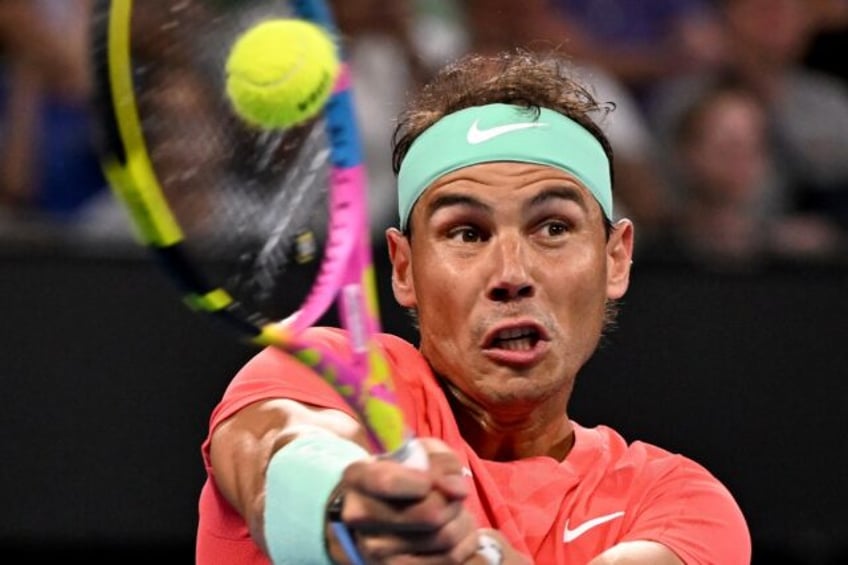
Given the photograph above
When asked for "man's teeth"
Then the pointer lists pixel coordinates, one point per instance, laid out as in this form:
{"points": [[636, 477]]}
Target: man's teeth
{"points": [[515, 339], [520, 344], [513, 333]]}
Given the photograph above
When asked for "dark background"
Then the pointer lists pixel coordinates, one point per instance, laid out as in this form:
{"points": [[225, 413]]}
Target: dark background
{"points": [[108, 384]]}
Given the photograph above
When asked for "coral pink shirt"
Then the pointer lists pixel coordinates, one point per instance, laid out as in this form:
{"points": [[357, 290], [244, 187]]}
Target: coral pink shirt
{"points": [[605, 492]]}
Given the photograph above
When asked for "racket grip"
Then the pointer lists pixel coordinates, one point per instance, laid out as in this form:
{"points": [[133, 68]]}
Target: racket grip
{"points": [[412, 454]]}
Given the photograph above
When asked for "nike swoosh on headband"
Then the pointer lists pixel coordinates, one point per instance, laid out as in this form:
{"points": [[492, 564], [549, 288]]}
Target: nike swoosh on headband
{"points": [[457, 140], [570, 535], [476, 135]]}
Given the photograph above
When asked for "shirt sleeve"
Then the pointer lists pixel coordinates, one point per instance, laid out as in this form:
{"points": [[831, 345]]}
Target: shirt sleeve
{"points": [[273, 374]]}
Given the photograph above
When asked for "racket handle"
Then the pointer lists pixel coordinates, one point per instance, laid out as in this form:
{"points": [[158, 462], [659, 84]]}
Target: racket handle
{"points": [[412, 454]]}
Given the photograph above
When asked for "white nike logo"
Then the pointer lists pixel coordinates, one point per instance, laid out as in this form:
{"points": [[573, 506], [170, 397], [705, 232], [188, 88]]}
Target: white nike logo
{"points": [[476, 135], [571, 535]]}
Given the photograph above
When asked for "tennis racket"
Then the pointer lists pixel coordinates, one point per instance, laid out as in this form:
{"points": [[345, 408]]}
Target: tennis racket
{"points": [[240, 216]]}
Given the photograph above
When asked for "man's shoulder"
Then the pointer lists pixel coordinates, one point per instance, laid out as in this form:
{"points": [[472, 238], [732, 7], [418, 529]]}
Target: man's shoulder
{"points": [[643, 471], [638, 457], [668, 497], [397, 346]]}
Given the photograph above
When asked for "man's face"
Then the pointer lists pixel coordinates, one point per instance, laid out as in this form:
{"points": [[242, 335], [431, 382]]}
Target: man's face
{"points": [[728, 154], [509, 270]]}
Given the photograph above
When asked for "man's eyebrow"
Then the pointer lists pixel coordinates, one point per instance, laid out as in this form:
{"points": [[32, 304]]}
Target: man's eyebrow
{"points": [[447, 200], [559, 193], [564, 192]]}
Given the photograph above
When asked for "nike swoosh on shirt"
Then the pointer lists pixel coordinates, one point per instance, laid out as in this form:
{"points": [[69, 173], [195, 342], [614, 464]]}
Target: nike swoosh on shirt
{"points": [[571, 535], [476, 135]]}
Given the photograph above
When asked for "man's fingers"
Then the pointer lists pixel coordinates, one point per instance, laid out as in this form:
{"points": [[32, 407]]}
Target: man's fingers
{"points": [[387, 479], [425, 515], [390, 479], [405, 514], [437, 546]]}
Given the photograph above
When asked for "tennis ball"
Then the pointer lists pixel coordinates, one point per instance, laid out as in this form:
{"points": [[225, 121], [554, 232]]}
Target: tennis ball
{"points": [[281, 72]]}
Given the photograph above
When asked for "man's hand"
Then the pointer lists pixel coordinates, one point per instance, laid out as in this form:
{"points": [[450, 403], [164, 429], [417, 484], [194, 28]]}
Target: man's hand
{"points": [[402, 515]]}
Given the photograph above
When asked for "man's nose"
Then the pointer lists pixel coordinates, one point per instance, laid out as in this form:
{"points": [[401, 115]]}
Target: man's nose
{"points": [[511, 278]]}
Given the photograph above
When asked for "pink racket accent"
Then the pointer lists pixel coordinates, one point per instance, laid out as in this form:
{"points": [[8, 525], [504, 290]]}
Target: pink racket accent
{"points": [[363, 380], [343, 81], [341, 258], [342, 261], [345, 277]]}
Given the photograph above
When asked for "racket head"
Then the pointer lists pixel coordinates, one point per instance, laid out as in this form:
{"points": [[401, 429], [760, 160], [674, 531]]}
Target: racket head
{"points": [[202, 188], [265, 229]]}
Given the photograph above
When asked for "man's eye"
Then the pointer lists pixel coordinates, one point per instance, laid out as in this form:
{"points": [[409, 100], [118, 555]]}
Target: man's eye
{"points": [[555, 228], [465, 234]]}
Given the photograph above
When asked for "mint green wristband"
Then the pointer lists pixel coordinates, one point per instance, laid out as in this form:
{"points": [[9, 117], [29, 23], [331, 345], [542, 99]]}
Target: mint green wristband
{"points": [[298, 482]]}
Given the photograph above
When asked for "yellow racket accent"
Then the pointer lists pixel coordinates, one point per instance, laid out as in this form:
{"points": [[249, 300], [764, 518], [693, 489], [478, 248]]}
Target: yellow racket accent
{"points": [[271, 334], [212, 301], [134, 182], [389, 422], [369, 283]]}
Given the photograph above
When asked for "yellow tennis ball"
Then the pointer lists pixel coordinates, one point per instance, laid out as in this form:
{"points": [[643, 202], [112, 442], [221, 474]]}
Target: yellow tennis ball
{"points": [[281, 72]]}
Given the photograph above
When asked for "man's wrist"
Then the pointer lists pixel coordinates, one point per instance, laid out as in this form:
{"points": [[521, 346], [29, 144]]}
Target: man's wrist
{"points": [[304, 472]]}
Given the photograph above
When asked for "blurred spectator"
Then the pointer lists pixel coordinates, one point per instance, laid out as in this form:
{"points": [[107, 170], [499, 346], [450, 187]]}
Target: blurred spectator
{"points": [[498, 25], [501, 25], [48, 168], [645, 42], [439, 31], [807, 111], [730, 212]]}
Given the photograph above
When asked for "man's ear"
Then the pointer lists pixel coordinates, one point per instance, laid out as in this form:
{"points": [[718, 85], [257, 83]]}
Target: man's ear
{"points": [[619, 259], [400, 255]]}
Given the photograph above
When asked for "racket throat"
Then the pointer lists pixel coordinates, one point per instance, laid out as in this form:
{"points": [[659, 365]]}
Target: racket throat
{"points": [[354, 317]]}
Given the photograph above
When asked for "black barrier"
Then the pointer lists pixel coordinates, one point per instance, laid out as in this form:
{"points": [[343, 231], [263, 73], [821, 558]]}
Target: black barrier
{"points": [[108, 383]]}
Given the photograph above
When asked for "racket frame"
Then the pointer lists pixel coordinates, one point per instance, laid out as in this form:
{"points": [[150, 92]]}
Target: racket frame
{"points": [[346, 276]]}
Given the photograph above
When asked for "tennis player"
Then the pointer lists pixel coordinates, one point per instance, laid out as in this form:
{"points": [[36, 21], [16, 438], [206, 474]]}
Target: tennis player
{"points": [[509, 255]]}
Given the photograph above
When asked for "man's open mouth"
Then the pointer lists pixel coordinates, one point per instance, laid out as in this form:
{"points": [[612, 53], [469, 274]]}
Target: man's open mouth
{"points": [[515, 339]]}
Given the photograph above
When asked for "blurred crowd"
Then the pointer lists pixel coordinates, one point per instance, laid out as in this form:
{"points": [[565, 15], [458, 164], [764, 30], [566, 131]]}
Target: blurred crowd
{"points": [[730, 127], [48, 169]]}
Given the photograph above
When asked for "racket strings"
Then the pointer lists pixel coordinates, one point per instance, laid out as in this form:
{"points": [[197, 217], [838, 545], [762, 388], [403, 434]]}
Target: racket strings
{"points": [[252, 204]]}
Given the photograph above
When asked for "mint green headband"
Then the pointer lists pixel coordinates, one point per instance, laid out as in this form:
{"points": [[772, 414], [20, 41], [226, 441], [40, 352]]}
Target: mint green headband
{"points": [[502, 132]]}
